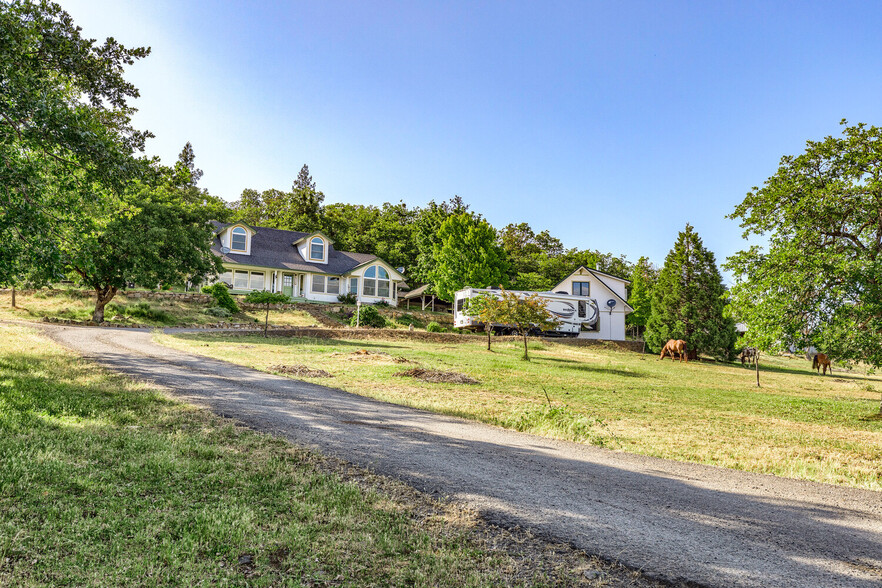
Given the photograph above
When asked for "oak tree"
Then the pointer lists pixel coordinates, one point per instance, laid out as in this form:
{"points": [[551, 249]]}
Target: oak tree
{"points": [[817, 281]]}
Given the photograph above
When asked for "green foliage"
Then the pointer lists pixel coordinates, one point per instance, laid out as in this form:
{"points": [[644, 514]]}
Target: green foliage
{"points": [[141, 310], [348, 298], [526, 313], [266, 297], [688, 301], [817, 280], [217, 311], [467, 255], [368, 316], [297, 210], [434, 327], [221, 295], [643, 278], [66, 126]]}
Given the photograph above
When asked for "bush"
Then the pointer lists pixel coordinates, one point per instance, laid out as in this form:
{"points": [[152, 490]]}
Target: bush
{"points": [[407, 320], [434, 327], [368, 316], [143, 310], [348, 298], [221, 295], [217, 311], [382, 304]]}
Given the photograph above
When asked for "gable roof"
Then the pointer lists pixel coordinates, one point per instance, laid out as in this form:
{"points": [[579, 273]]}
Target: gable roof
{"points": [[600, 275], [311, 235], [274, 248]]}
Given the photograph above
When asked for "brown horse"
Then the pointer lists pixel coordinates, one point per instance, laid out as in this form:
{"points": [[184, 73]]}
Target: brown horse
{"points": [[673, 346], [749, 355], [821, 360]]}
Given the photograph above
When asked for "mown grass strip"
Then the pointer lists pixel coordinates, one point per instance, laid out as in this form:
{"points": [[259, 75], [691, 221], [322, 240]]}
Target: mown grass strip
{"points": [[107, 482], [799, 424]]}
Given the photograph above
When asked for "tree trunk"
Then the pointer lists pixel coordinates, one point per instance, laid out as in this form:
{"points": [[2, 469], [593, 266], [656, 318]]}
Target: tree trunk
{"points": [[102, 297], [526, 357], [13, 297], [266, 322], [756, 363], [489, 332]]}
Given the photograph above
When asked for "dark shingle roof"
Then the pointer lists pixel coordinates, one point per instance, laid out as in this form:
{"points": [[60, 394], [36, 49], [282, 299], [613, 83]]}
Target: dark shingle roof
{"points": [[274, 248]]}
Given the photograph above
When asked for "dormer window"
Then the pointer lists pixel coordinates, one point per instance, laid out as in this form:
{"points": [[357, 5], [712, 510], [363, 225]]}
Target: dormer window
{"points": [[239, 240], [317, 249]]}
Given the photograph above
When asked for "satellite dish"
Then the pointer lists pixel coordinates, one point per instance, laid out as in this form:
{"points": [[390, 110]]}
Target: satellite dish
{"points": [[225, 249], [611, 303]]}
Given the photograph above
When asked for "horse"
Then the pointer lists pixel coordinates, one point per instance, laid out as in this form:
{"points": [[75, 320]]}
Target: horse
{"points": [[749, 354], [673, 346], [821, 360]]}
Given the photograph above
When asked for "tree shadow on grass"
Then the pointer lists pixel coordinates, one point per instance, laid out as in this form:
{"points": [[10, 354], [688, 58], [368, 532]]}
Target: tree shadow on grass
{"points": [[273, 341]]}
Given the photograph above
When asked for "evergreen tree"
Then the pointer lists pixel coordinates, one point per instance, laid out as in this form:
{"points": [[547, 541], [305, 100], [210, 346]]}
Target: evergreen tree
{"points": [[643, 278], [688, 301], [187, 159]]}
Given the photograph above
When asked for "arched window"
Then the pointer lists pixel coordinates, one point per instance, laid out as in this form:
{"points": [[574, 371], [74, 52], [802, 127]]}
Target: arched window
{"points": [[239, 241], [317, 248], [376, 282]]}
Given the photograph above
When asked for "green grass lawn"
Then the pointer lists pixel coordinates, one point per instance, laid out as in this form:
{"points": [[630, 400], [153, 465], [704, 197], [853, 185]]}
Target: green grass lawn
{"points": [[106, 482], [154, 313], [798, 424]]}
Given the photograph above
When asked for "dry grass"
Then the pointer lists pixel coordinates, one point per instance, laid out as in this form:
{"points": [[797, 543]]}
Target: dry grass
{"points": [[798, 424], [70, 305]]}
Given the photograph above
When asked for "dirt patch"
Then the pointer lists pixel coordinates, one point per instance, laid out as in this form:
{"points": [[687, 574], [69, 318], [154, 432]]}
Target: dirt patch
{"points": [[437, 377], [374, 356], [300, 370]]}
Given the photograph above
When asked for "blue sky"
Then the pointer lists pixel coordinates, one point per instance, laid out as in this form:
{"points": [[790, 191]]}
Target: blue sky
{"points": [[611, 124]]}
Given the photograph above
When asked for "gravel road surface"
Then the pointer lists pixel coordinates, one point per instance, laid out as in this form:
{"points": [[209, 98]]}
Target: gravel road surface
{"points": [[672, 520]]}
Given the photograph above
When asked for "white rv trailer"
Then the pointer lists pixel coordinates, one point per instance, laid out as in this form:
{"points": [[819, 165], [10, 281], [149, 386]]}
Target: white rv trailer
{"points": [[575, 313]]}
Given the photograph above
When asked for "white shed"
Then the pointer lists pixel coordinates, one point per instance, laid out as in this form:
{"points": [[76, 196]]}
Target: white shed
{"points": [[611, 294]]}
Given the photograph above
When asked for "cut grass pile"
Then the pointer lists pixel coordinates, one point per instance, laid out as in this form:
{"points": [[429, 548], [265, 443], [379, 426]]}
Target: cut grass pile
{"points": [[798, 424], [153, 313], [437, 376], [105, 482]]}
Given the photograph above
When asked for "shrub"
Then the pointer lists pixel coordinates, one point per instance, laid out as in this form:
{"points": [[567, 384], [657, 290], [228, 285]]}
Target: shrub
{"points": [[143, 310], [217, 311], [434, 327], [407, 320], [382, 304], [221, 295], [368, 316], [348, 298]]}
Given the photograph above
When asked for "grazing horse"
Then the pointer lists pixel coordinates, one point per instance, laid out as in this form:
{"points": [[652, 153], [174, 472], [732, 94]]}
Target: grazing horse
{"points": [[748, 354], [820, 360], [673, 346]]}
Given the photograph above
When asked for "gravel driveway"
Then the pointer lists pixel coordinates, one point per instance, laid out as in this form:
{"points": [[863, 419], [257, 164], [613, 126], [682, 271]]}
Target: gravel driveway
{"points": [[672, 520]]}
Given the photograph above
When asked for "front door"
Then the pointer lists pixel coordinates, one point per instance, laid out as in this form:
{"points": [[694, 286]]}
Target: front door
{"points": [[288, 285]]}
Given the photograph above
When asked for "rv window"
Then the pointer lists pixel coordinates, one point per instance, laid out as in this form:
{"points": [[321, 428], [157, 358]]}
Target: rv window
{"points": [[459, 304], [582, 309]]}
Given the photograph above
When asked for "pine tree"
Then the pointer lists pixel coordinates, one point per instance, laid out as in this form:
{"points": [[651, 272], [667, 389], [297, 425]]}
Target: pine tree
{"points": [[187, 158], [688, 301], [643, 278]]}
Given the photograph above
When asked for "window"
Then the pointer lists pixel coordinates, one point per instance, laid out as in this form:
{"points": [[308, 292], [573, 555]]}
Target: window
{"points": [[370, 281], [353, 286], [318, 284], [226, 278], [317, 248], [240, 280], [376, 282], [581, 288], [257, 280], [333, 285], [239, 240], [582, 309], [382, 283]]}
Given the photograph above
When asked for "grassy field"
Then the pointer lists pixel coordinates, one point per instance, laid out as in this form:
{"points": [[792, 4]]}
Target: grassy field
{"points": [[106, 482], [154, 313], [798, 424]]}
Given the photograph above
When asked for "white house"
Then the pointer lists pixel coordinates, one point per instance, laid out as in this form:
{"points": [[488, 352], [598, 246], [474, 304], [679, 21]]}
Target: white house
{"points": [[611, 294], [303, 265]]}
